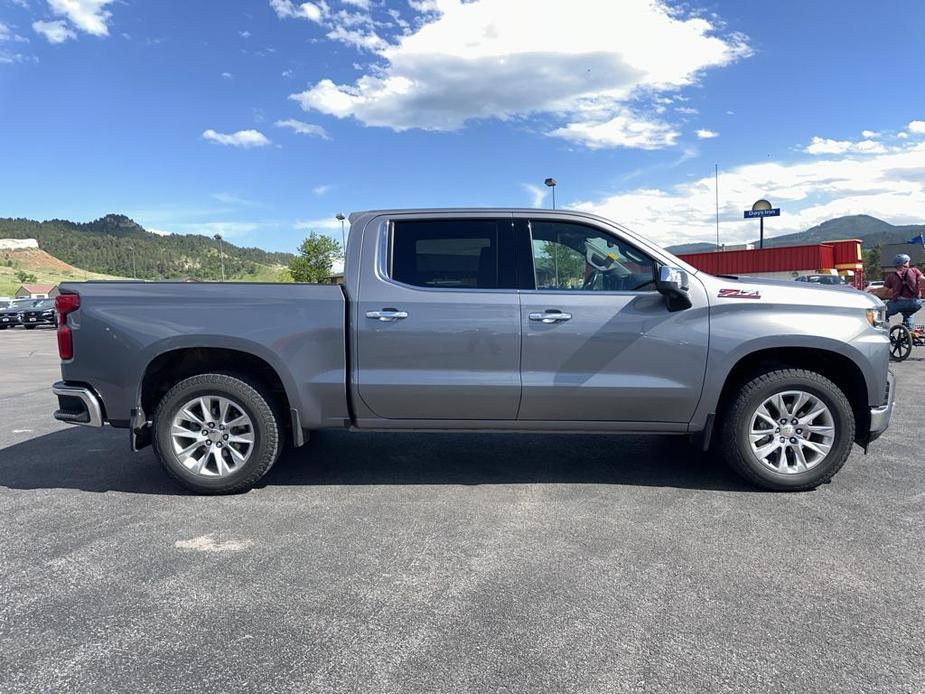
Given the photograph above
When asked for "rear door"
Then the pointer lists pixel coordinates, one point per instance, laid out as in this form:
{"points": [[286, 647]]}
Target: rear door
{"points": [[599, 343], [438, 320]]}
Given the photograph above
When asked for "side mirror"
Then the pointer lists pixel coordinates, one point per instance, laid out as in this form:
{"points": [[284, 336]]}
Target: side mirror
{"points": [[673, 284]]}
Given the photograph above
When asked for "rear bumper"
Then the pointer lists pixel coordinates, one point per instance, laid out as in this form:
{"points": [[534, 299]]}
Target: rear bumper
{"points": [[77, 405], [880, 416]]}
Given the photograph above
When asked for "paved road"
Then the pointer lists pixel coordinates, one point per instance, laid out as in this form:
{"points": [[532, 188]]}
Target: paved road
{"points": [[445, 563]]}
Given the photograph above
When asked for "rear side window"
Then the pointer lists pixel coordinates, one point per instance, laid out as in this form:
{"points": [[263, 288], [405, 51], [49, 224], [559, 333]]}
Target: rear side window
{"points": [[453, 254]]}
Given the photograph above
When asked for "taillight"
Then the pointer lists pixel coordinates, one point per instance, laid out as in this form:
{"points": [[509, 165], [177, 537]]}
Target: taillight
{"points": [[65, 304]]}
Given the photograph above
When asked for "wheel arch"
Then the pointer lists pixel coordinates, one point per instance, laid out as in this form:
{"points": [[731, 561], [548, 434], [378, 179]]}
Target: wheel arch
{"points": [[835, 366], [172, 366]]}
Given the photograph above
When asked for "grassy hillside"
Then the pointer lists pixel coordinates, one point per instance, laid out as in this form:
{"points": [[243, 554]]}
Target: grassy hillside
{"points": [[46, 268], [108, 246]]}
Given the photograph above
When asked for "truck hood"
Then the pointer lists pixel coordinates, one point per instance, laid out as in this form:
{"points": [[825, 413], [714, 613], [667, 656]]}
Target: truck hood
{"points": [[758, 289]]}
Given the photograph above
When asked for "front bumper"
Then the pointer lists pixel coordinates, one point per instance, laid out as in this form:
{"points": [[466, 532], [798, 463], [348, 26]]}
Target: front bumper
{"points": [[77, 405], [880, 416], [10, 320]]}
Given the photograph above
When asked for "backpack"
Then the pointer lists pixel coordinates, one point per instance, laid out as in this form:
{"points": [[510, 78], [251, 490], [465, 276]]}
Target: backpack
{"points": [[910, 283]]}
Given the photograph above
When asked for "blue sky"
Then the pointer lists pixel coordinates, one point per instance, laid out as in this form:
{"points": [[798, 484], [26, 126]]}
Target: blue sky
{"points": [[263, 118]]}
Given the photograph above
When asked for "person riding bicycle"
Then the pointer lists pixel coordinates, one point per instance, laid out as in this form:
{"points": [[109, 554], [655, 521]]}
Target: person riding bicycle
{"points": [[904, 290]]}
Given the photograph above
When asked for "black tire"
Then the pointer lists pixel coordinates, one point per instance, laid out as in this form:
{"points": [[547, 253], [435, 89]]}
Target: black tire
{"points": [[266, 424], [4, 327], [736, 425], [30, 327], [900, 343]]}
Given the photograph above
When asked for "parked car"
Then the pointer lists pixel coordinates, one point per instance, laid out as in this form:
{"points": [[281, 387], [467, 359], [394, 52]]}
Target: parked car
{"points": [[477, 321], [41, 312], [821, 279], [11, 315]]}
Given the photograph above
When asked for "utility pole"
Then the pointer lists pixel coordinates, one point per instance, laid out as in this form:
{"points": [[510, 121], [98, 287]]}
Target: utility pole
{"points": [[221, 254], [134, 274], [716, 175]]}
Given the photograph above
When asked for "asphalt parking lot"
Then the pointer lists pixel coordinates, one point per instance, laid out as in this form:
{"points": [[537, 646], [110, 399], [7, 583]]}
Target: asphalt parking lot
{"points": [[450, 563]]}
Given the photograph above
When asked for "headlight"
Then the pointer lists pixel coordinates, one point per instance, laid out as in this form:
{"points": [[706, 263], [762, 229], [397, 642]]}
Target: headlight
{"points": [[877, 318]]}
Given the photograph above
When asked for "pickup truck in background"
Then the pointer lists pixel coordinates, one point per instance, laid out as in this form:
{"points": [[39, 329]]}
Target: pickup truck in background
{"points": [[481, 320]]}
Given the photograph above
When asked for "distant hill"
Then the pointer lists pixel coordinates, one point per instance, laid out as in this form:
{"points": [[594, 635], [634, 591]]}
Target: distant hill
{"points": [[872, 231], [46, 268], [106, 246]]}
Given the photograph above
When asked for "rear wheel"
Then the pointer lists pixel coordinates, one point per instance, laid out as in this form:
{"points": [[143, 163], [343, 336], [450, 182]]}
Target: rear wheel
{"points": [[900, 343], [30, 327], [788, 430], [216, 434]]}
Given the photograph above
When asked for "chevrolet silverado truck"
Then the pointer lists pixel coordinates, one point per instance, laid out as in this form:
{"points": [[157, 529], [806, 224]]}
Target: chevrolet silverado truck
{"points": [[481, 320]]}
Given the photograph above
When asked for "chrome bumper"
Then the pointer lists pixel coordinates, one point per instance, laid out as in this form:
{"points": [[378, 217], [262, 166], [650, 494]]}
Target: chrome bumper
{"points": [[880, 416], [77, 405]]}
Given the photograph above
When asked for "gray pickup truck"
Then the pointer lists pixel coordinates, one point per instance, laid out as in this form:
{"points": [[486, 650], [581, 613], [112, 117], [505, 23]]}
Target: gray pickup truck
{"points": [[481, 320]]}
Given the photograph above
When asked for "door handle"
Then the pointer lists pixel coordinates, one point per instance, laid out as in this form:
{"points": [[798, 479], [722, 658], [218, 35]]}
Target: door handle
{"points": [[387, 314], [550, 317]]}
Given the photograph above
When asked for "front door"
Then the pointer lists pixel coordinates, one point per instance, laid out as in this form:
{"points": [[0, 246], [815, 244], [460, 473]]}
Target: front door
{"points": [[438, 322], [599, 343]]}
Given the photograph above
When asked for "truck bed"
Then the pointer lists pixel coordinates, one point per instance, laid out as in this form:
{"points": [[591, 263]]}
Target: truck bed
{"points": [[297, 329]]}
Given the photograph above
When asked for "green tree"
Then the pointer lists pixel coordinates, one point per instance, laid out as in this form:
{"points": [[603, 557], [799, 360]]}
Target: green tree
{"points": [[872, 268], [315, 259], [25, 277]]}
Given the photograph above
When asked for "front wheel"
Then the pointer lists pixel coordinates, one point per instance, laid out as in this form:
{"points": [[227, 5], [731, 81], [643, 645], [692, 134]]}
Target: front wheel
{"points": [[900, 343], [216, 434], [788, 430]]}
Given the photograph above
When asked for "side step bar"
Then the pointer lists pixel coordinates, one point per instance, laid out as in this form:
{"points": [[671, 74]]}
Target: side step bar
{"points": [[77, 405]]}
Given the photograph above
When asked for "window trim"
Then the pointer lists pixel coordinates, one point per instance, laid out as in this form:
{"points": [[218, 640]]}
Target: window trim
{"points": [[386, 250], [528, 245]]}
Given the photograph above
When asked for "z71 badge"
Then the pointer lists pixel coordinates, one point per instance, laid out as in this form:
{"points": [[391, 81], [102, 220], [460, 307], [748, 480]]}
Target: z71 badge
{"points": [[739, 294]]}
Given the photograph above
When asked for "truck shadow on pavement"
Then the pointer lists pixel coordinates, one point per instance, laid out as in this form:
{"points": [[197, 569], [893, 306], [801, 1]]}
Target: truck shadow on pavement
{"points": [[99, 461]]}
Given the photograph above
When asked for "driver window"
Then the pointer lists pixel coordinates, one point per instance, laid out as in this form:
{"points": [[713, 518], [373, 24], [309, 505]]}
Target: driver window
{"points": [[576, 257]]}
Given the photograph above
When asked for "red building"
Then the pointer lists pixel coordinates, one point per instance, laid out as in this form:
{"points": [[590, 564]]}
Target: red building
{"points": [[841, 258]]}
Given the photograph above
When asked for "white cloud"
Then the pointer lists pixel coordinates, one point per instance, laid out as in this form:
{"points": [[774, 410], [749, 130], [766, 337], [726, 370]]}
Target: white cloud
{"points": [[303, 128], [55, 32], [625, 129], [231, 199], [286, 9], [870, 134], [704, 134], [160, 232], [822, 145], [537, 193], [8, 35], [244, 34], [89, 16], [687, 110], [362, 40], [227, 76], [586, 65], [241, 138], [917, 127], [890, 185], [226, 229], [325, 223], [323, 189]]}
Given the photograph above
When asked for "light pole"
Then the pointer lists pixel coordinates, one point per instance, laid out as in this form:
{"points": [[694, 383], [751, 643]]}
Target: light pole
{"points": [[551, 182], [343, 236], [134, 274], [221, 254]]}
